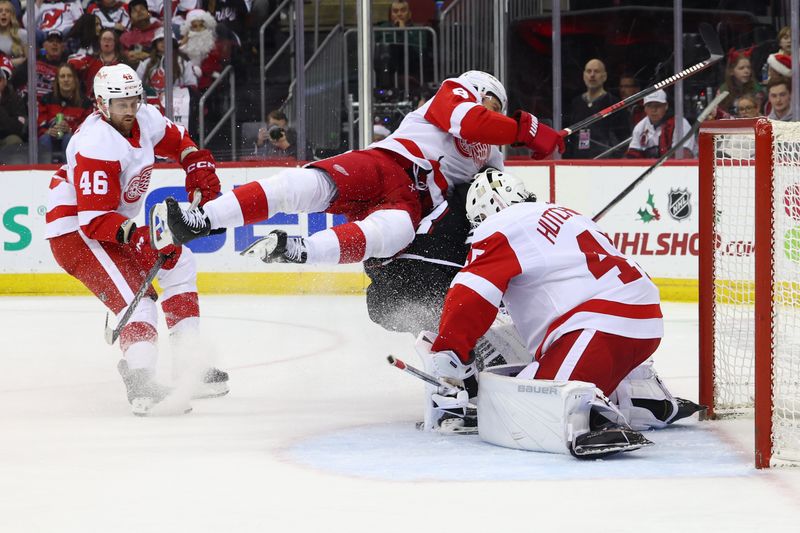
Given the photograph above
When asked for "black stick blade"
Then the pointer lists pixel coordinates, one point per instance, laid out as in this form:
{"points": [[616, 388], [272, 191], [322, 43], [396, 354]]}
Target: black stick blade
{"points": [[711, 39]]}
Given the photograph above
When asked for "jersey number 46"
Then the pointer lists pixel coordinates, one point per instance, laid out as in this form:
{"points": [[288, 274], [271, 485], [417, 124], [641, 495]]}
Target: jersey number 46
{"points": [[93, 183]]}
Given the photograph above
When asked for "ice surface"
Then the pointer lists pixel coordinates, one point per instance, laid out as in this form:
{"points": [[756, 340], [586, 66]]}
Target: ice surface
{"points": [[318, 434]]}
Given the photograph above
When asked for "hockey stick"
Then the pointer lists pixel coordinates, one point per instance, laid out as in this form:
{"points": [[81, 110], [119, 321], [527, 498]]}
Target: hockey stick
{"points": [[111, 335], [692, 131], [613, 148], [711, 40], [444, 387]]}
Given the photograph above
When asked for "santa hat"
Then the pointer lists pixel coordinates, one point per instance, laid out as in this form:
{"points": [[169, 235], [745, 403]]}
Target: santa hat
{"points": [[199, 14], [780, 63]]}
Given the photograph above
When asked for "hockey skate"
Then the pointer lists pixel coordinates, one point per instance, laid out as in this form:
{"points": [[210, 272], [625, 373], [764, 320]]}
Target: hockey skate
{"points": [[606, 437], [215, 384], [146, 396], [169, 224], [277, 247]]}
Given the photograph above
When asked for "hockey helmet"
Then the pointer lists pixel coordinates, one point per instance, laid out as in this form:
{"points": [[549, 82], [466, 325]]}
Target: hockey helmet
{"points": [[491, 192], [115, 81], [486, 84]]}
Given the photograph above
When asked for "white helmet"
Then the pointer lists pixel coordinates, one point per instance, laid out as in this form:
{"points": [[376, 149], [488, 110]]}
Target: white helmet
{"points": [[487, 84], [491, 192], [115, 81]]}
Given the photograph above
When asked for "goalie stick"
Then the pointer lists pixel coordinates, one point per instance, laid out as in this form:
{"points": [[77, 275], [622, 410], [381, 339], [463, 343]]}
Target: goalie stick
{"points": [[111, 335], [692, 131], [711, 40], [444, 387]]}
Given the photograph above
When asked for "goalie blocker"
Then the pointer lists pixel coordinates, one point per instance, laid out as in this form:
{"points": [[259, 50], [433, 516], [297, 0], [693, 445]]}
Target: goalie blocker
{"points": [[551, 416]]}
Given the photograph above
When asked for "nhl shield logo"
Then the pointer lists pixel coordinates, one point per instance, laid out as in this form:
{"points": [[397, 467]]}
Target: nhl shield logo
{"points": [[680, 205]]}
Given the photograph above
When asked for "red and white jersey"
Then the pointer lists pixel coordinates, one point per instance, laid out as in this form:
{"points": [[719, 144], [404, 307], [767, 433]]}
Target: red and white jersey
{"points": [[60, 16], [107, 175], [452, 137], [556, 272]]}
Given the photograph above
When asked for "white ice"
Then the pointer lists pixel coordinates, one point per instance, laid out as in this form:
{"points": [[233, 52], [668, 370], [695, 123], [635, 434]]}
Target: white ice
{"points": [[318, 434]]}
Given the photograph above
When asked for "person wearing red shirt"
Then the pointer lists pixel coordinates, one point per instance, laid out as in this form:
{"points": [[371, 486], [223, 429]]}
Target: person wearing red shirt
{"points": [[60, 114]]}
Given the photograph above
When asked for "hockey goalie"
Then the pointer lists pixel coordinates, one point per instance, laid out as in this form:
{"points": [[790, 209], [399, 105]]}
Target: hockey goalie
{"points": [[589, 317]]}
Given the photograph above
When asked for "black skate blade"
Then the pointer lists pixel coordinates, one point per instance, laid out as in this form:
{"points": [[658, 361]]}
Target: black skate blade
{"points": [[607, 442]]}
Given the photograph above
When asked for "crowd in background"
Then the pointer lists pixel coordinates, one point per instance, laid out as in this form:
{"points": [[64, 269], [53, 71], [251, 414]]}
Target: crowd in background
{"points": [[76, 38]]}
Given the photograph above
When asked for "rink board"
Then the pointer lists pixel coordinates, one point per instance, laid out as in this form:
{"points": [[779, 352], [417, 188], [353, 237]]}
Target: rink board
{"points": [[656, 225]]}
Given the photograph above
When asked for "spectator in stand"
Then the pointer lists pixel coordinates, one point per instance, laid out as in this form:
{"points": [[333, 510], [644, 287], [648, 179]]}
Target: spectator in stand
{"points": [[13, 39], [277, 140], [389, 47], [46, 66], [596, 139], [779, 92], [628, 86], [180, 9], [84, 35], [654, 135], [60, 114], [60, 16], [779, 66], [747, 106], [112, 14], [739, 79], [138, 40], [199, 43], [87, 65], [184, 92], [13, 115], [784, 49], [229, 13]]}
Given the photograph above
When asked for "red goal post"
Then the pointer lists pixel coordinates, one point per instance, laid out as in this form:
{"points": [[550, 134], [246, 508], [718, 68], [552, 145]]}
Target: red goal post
{"points": [[749, 279]]}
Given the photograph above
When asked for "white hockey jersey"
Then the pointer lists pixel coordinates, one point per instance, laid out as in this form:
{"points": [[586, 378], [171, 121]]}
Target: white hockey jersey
{"points": [[107, 175], [451, 138], [556, 272]]}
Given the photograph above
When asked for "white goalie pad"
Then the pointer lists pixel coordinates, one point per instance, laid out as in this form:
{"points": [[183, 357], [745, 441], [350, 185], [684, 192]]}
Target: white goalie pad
{"points": [[536, 415], [643, 383]]}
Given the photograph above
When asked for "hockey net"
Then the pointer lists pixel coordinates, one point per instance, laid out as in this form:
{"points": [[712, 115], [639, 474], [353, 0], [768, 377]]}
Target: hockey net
{"points": [[750, 280]]}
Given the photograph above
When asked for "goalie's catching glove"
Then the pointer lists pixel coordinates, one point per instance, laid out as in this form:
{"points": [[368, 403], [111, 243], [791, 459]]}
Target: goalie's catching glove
{"points": [[540, 138]]}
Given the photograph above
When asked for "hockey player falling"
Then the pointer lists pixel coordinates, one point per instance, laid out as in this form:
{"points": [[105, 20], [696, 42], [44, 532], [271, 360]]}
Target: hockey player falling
{"points": [[92, 201], [384, 190], [586, 312]]}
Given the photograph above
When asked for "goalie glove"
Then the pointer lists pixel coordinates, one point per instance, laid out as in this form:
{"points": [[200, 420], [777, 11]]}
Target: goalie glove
{"points": [[449, 399], [201, 173], [540, 138]]}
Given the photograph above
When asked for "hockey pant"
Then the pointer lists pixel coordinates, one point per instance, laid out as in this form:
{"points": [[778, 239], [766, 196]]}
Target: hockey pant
{"points": [[370, 188], [114, 272], [593, 356]]}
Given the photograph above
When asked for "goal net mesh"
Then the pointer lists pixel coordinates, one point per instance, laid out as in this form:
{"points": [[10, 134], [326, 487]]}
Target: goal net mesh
{"points": [[734, 277]]}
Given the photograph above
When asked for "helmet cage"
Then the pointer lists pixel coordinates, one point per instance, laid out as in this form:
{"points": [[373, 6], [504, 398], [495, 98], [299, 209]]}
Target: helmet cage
{"points": [[491, 192]]}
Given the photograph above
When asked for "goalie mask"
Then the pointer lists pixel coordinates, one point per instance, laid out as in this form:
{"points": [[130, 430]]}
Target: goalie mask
{"points": [[115, 81], [486, 84], [491, 192]]}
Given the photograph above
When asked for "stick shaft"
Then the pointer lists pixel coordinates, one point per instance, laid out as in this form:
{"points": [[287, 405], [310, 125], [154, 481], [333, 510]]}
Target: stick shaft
{"points": [[419, 374], [629, 101], [692, 131]]}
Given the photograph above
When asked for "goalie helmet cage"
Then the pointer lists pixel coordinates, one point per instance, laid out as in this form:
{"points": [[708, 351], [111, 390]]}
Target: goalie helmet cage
{"points": [[749, 279]]}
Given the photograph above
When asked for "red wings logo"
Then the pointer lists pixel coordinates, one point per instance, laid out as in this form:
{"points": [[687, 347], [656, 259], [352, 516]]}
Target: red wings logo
{"points": [[137, 186], [479, 152]]}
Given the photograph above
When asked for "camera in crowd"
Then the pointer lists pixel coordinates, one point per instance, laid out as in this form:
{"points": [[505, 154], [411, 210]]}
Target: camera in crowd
{"points": [[276, 132]]}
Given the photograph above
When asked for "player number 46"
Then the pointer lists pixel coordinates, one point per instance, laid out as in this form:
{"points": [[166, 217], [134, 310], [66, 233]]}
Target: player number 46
{"points": [[94, 182], [600, 262]]}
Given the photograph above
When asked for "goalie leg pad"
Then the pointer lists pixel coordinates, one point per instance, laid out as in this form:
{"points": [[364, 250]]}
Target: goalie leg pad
{"points": [[501, 345], [551, 416], [644, 399]]}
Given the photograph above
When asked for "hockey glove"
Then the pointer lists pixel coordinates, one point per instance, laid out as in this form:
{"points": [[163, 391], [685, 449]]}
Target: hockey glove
{"points": [[201, 173], [540, 139], [140, 241]]}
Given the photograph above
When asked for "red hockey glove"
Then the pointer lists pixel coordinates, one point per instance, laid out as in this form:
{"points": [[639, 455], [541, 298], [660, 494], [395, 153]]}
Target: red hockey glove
{"points": [[541, 139], [201, 173], [140, 241]]}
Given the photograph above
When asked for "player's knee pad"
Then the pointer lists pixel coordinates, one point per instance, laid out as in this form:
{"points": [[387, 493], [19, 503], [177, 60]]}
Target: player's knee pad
{"points": [[298, 190], [182, 278], [644, 399], [386, 232], [536, 415], [501, 345]]}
